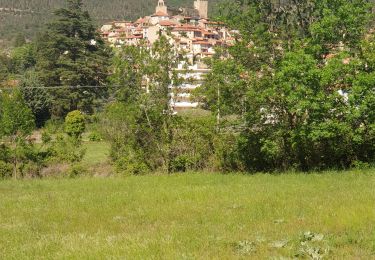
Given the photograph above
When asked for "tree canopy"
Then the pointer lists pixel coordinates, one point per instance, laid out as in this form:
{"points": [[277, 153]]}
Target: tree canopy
{"points": [[71, 53], [302, 72]]}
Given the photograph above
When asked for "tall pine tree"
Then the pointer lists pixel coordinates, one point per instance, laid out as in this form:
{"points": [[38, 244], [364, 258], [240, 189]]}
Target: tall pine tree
{"points": [[71, 53]]}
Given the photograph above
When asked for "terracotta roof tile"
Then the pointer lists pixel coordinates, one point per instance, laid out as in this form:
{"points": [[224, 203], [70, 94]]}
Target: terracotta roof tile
{"points": [[167, 23]]}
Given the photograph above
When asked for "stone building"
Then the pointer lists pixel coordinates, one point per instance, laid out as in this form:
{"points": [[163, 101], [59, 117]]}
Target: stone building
{"points": [[191, 34]]}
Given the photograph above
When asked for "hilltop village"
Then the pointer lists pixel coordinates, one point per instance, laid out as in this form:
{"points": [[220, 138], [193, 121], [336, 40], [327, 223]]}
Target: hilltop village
{"points": [[190, 32]]}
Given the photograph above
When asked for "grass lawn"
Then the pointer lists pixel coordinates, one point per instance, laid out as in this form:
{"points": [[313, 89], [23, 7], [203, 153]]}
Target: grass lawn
{"points": [[190, 216], [96, 152]]}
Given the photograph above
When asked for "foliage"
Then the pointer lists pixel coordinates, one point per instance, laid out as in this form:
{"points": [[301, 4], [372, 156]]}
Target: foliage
{"points": [[145, 133], [224, 90], [299, 79], [23, 58], [227, 153], [128, 165], [341, 22], [294, 91], [193, 143], [63, 148], [5, 68], [95, 137], [4, 152], [16, 124], [37, 98], [16, 119], [76, 170], [31, 169], [5, 170], [193, 147], [18, 150], [129, 64], [70, 52], [75, 124], [144, 110]]}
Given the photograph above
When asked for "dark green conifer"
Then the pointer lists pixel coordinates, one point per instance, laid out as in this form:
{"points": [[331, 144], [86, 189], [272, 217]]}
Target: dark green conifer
{"points": [[71, 53]]}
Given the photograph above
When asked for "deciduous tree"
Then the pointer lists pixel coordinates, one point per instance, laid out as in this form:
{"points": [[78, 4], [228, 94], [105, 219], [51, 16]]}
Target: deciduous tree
{"points": [[16, 123]]}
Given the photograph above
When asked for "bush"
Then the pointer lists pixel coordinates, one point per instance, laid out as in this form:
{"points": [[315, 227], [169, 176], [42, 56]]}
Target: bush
{"points": [[182, 163], [129, 166], [75, 124], [31, 170], [358, 165], [4, 153], [227, 157], [6, 170], [46, 138], [138, 148], [193, 143], [76, 170], [66, 149], [95, 137]]}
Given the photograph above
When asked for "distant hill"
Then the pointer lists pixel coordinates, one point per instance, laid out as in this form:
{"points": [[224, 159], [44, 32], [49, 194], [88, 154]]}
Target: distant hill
{"points": [[29, 16]]}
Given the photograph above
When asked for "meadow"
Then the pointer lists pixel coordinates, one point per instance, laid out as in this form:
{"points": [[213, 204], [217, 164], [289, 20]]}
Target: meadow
{"points": [[190, 216]]}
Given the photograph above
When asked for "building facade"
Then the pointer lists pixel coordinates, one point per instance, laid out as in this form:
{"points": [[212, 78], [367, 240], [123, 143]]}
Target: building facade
{"points": [[191, 33]]}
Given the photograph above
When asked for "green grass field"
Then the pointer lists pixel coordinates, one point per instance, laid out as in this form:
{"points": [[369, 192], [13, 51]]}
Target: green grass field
{"points": [[96, 152], [195, 216]]}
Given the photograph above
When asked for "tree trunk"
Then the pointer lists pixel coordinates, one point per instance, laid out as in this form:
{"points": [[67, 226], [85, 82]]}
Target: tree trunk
{"points": [[218, 110], [15, 161]]}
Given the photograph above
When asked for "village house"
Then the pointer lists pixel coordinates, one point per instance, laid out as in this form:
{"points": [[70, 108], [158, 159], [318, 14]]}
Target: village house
{"points": [[188, 29]]}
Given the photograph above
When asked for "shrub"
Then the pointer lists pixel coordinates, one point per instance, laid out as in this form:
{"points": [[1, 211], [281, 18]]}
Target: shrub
{"points": [[227, 157], [5, 170], [66, 149], [140, 146], [128, 166], [75, 124], [4, 153], [193, 143], [360, 165], [31, 170], [77, 170], [46, 138], [95, 137], [182, 163]]}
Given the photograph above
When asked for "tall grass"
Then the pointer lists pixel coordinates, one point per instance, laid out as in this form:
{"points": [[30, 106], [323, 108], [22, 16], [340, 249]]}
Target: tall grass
{"points": [[195, 216]]}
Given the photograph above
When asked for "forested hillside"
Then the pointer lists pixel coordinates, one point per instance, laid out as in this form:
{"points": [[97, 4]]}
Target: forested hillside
{"points": [[28, 16]]}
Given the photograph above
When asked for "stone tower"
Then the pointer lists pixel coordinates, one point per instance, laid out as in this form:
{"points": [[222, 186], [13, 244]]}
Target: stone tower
{"points": [[161, 7], [202, 7]]}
